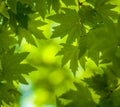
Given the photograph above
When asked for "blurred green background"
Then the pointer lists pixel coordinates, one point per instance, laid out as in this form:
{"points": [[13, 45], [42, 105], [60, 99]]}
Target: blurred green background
{"points": [[50, 80]]}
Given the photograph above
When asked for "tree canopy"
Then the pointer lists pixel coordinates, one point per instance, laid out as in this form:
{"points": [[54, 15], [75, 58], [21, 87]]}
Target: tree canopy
{"points": [[91, 33]]}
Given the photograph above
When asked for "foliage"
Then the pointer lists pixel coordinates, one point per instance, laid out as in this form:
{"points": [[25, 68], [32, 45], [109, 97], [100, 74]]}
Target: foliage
{"points": [[91, 32]]}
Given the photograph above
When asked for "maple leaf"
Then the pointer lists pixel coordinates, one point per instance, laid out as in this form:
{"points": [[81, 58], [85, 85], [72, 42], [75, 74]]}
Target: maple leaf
{"points": [[32, 31], [20, 18], [70, 53], [103, 84], [6, 40], [12, 4], [83, 49], [81, 97], [94, 30], [97, 82], [36, 23], [107, 12], [41, 7], [8, 93], [72, 27], [55, 4], [89, 16], [12, 68], [4, 10], [104, 9]]}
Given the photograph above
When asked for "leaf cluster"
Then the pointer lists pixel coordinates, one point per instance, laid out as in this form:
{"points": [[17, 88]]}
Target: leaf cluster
{"points": [[91, 29]]}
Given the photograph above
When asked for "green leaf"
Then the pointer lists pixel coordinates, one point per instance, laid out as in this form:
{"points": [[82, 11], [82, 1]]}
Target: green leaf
{"points": [[83, 62], [97, 40], [92, 33], [91, 2], [115, 97], [6, 40], [59, 102], [69, 2], [94, 55], [98, 83], [105, 10], [103, 84], [36, 31], [70, 53], [28, 2], [115, 66], [41, 7], [8, 93], [89, 16], [69, 24], [3, 10], [118, 52], [55, 4], [23, 33], [13, 68], [101, 3], [20, 19], [29, 33], [12, 4], [83, 45], [22, 15], [81, 97]]}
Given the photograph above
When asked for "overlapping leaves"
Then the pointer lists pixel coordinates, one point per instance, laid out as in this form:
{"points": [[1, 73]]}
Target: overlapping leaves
{"points": [[14, 72], [92, 31], [29, 33], [6, 38], [79, 98], [10, 73], [107, 86], [105, 9], [74, 29], [8, 93]]}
